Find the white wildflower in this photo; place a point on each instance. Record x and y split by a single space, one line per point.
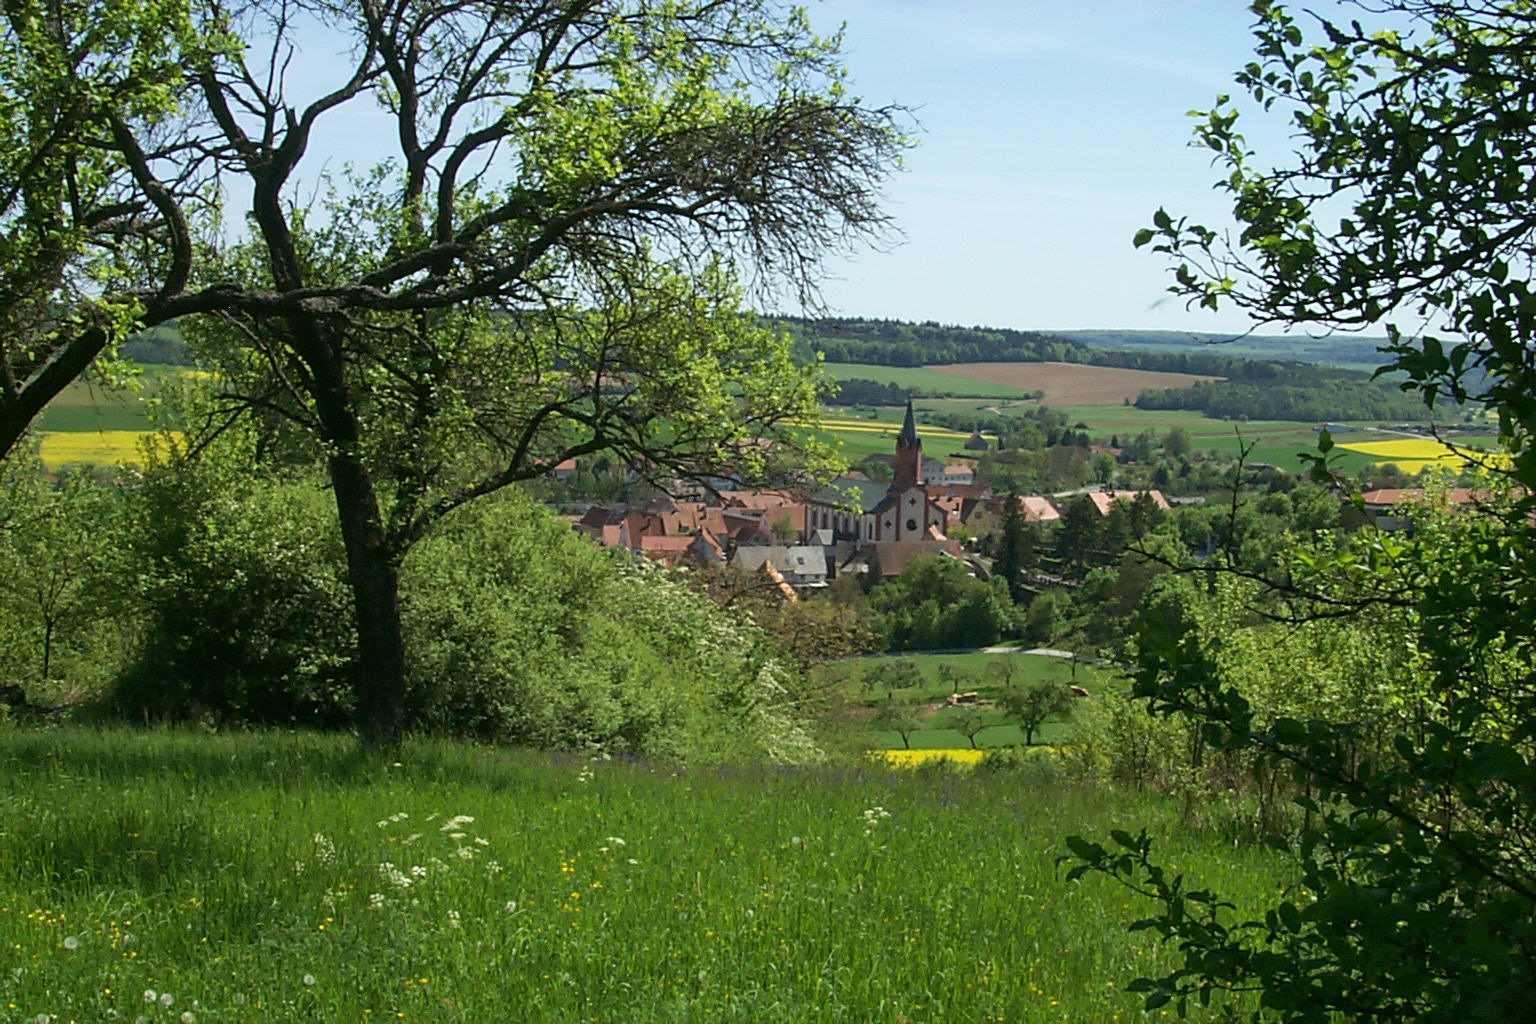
511 906
166 999
453 919
309 980
493 866
417 871
149 995
187 1017
456 823
325 850
614 841
375 900
466 853
71 942
482 842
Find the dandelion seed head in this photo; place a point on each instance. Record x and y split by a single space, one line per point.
309 981
166 999
150 995
187 1017
71 942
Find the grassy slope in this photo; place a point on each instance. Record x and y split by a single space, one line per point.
259 877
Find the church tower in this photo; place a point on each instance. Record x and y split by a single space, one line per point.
909 455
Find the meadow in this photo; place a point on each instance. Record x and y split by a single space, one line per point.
862 690
182 877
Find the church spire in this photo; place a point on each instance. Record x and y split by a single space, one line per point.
908 436
909 455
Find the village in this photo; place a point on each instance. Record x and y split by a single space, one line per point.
806 538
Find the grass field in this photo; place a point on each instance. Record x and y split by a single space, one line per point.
859 682
276 878
928 380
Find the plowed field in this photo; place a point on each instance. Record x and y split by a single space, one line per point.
1072 383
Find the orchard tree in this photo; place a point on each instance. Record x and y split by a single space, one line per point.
1409 202
548 255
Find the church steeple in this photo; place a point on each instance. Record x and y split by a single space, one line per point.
908 436
909 454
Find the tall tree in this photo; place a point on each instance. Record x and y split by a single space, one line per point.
552 260
1015 549
1409 200
547 266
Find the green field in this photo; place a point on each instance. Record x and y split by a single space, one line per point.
930 382
269 877
857 681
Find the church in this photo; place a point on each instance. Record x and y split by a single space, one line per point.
861 510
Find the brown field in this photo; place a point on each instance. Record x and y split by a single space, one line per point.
1071 383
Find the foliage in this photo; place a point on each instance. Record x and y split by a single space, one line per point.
1409 196
1033 704
936 604
1332 397
60 562
92 239
240 590
521 631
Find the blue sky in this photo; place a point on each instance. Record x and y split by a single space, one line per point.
1052 129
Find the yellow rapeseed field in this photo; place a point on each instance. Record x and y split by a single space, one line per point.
1413 453
96 447
882 427
959 756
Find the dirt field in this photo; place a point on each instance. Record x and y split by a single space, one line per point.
1071 383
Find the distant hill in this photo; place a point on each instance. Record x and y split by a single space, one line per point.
1347 351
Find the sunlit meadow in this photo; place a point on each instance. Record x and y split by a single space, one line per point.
177 877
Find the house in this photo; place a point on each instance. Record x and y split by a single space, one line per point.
1386 508
1103 500
1038 510
799 566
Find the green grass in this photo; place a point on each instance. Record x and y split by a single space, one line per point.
932 382
83 406
290 878
974 669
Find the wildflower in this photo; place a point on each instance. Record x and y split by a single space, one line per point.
482 842
149 995
309 981
456 823
166 999
71 942
511 907
417 871
187 1018
633 861
325 850
375 900
453 919
614 841
466 853
494 867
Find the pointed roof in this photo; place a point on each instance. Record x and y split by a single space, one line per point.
908 435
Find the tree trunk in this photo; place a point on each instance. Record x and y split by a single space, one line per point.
372 568
379 684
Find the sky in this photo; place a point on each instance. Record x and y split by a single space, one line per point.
1051 130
